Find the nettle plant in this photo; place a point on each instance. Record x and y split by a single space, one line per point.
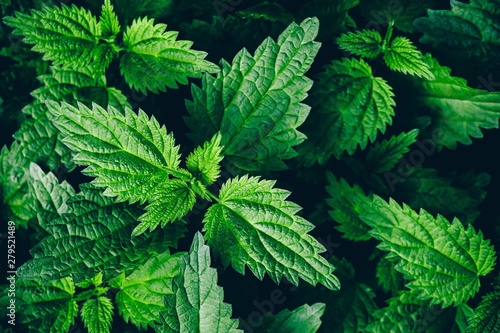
109 250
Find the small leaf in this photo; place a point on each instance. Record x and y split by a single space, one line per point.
109 22
155 60
486 318
364 43
303 319
204 162
197 306
403 56
97 314
253 225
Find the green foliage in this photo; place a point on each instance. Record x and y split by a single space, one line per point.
442 260
204 162
97 314
303 319
195 291
364 43
253 225
258 129
350 106
486 316
403 56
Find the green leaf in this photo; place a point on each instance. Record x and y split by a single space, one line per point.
303 319
442 259
197 306
469 29
486 318
129 154
49 195
141 295
458 112
65 35
94 281
98 240
345 203
255 103
97 314
403 56
364 43
48 307
384 155
204 162
253 225
349 107
109 22
155 60
387 276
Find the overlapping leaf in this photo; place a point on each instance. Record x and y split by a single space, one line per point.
204 162
196 305
94 237
442 260
350 106
255 103
155 60
253 225
486 317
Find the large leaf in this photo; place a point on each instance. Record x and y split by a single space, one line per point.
349 107
155 60
253 225
197 306
458 112
442 260
141 295
255 103
94 237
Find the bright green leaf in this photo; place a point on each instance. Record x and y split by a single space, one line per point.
403 56
364 43
253 225
303 319
108 20
486 318
204 162
97 314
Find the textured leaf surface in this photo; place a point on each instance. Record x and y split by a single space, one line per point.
155 60
253 225
97 314
255 103
109 22
306 318
48 307
197 306
384 155
387 276
128 154
204 162
345 207
442 259
458 112
95 237
486 318
364 43
349 107
403 56
141 295
66 35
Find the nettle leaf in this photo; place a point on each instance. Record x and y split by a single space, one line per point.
442 260
387 276
456 196
141 295
486 318
403 56
98 239
345 203
109 21
255 103
384 155
364 43
65 35
204 162
253 225
349 107
46 307
469 29
155 60
128 154
197 302
458 112
306 318
97 314
49 195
